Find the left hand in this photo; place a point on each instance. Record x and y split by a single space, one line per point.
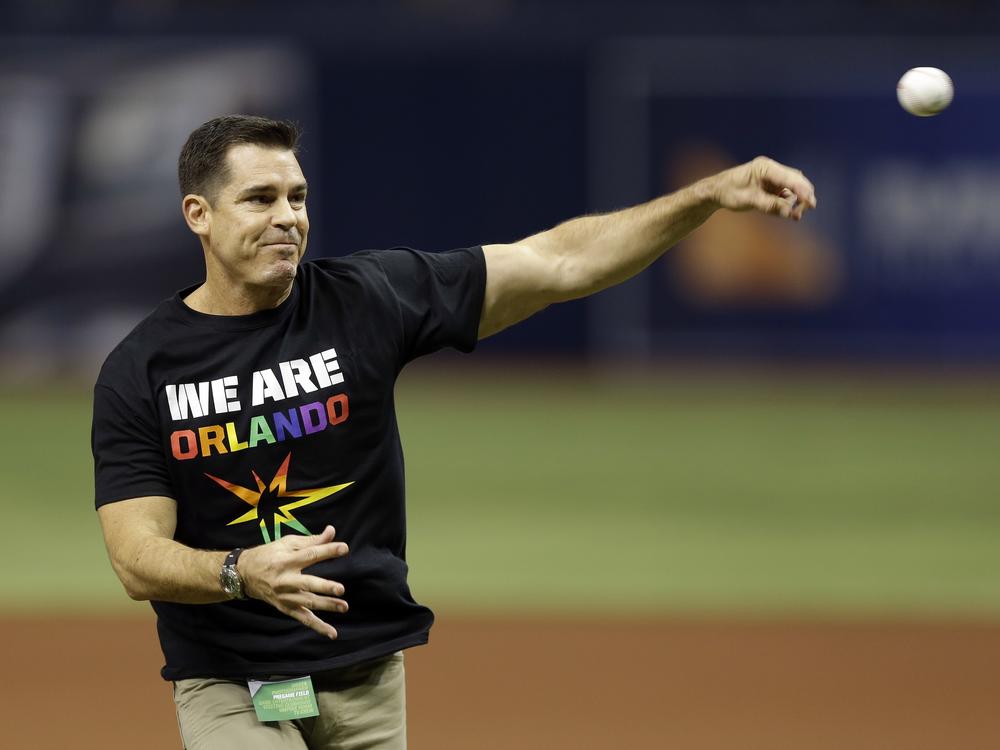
765 185
273 573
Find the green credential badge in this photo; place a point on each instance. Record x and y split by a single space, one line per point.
283 700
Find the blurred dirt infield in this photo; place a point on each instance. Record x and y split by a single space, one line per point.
93 683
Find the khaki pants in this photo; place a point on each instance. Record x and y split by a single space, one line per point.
360 708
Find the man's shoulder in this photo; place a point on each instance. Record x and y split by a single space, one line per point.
359 263
390 264
363 276
138 345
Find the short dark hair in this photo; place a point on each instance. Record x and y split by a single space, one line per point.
202 166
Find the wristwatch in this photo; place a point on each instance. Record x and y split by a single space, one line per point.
229 577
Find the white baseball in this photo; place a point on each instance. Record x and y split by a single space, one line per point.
924 91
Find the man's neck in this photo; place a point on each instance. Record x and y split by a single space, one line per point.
235 300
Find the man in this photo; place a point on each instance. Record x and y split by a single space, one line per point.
248 416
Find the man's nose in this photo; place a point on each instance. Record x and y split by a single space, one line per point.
284 215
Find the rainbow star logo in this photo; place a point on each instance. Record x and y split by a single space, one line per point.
265 501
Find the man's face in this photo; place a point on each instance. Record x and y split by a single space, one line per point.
257 224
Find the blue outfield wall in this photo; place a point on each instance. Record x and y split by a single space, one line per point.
456 146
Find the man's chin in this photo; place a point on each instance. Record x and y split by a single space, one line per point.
279 273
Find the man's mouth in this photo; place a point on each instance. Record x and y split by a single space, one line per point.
288 248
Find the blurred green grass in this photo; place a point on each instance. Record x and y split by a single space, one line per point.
701 492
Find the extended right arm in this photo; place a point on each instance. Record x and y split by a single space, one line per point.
151 565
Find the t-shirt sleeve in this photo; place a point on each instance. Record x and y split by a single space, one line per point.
128 456
439 297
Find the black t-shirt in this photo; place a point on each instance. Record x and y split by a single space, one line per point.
278 423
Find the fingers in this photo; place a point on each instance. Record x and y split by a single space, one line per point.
310 597
787 191
795 207
312 594
296 594
796 182
329 551
326 535
310 620
318 547
313 601
303 542
269 568
291 586
320 585
772 204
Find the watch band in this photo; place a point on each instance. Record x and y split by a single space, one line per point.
233 556
230 578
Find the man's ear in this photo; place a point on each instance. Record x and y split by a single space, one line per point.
197 213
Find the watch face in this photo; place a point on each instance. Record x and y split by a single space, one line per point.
231 582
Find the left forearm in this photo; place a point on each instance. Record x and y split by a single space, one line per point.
602 250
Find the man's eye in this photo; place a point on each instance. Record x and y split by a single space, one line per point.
260 199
